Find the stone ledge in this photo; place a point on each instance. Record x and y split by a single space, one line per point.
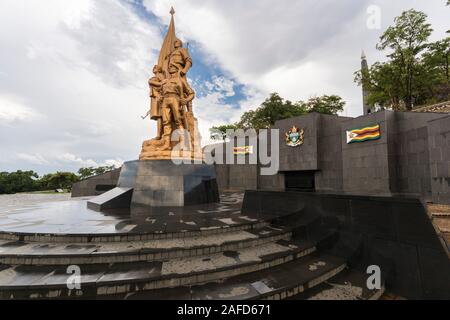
180 249
102 284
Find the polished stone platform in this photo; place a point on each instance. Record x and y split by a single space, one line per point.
62 218
209 251
73 218
394 233
264 245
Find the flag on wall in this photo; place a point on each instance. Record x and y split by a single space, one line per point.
243 150
364 134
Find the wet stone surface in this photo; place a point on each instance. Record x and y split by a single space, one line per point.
12 201
290 276
105 273
13 249
348 285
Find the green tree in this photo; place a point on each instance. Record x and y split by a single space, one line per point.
19 181
85 173
416 72
220 132
103 169
438 57
382 81
433 73
407 38
271 110
400 82
325 104
276 108
59 180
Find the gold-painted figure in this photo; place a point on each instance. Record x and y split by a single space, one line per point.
171 103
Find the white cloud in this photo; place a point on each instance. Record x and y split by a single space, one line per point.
250 38
32 158
73 159
66 160
73 73
83 67
211 110
78 162
114 42
224 85
298 48
15 112
113 162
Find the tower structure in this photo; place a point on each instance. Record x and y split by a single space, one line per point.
365 92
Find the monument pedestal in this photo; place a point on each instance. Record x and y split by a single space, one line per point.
155 181
160 183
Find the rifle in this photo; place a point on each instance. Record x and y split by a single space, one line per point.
146 115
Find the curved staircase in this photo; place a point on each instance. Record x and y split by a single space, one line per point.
261 257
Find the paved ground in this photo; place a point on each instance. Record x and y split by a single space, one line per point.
440 215
58 214
50 213
391 296
9 201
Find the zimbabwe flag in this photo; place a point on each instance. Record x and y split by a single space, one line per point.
243 150
364 134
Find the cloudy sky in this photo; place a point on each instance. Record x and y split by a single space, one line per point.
73 73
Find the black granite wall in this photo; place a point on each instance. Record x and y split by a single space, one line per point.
223 175
394 233
367 168
242 175
412 161
329 149
97 185
439 149
398 163
270 182
302 157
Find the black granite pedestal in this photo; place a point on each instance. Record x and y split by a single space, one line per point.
160 183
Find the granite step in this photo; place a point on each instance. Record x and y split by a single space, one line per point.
440 214
438 210
279 282
97 280
32 253
241 223
443 224
347 285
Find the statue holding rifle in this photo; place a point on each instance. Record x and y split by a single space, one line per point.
171 104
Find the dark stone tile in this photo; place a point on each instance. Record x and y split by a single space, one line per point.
131 271
434 273
413 225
